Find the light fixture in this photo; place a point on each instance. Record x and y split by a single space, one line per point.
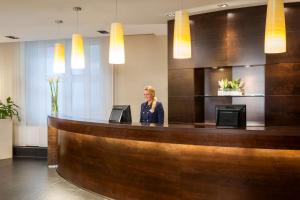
171 14
77 59
182 36
59 55
116 42
12 37
224 5
275 35
59 58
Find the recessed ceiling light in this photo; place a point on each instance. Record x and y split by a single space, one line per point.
12 37
171 14
104 32
224 5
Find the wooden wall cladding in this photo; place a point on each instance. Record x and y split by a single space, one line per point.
236 37
282 94
245 36
186 90
181 82
182 109
292 14
282 110
283 79
225 38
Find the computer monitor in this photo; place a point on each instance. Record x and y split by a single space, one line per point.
231 116
120 114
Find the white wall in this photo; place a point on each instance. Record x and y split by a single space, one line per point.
146 64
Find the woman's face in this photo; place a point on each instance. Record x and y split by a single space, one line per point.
147 95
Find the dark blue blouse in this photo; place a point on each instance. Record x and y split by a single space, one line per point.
156 117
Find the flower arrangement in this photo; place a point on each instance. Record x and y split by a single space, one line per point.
230 88
9 110
53 82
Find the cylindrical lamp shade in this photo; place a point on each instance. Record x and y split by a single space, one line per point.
116 44
59 65
77 59
182 36
275 36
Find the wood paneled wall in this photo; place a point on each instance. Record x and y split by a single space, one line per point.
283 76
236 38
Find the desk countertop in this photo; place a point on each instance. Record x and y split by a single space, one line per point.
194 134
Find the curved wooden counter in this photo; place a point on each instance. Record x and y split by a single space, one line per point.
123 161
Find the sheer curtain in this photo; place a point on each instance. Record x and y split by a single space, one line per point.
82 93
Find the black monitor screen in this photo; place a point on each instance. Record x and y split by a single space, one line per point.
231 116
116 115
120 114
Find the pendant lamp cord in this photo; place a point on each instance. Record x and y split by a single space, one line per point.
77 22
116 16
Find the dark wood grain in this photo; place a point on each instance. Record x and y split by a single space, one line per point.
282 79
282 110
245 36
292 14
182 109
137 162
236 37
52 145
225 38
181 82
194 134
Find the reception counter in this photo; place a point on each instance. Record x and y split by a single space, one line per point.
135 161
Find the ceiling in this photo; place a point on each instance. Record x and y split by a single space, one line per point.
34 19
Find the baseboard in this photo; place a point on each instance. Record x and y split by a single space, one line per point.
30 152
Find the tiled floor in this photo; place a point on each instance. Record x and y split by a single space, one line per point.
27 179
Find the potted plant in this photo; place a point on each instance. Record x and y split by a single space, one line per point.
8 111
230 88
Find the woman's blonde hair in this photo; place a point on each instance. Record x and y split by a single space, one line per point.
151 90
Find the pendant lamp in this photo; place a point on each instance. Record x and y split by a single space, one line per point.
116 42
182 36
59 66
77 57
59 58
275 35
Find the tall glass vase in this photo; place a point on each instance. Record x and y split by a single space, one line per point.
53 82
54 106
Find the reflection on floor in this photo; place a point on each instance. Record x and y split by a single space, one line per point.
28 179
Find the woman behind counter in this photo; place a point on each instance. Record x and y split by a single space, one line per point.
152 111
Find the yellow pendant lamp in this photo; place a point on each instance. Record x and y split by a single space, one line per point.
77 60
77 54
182 36
59 66
275 35
59 58
116 42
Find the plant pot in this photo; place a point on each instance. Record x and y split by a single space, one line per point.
230 93
6 138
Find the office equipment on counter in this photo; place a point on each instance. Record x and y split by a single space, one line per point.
231 116
120 114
